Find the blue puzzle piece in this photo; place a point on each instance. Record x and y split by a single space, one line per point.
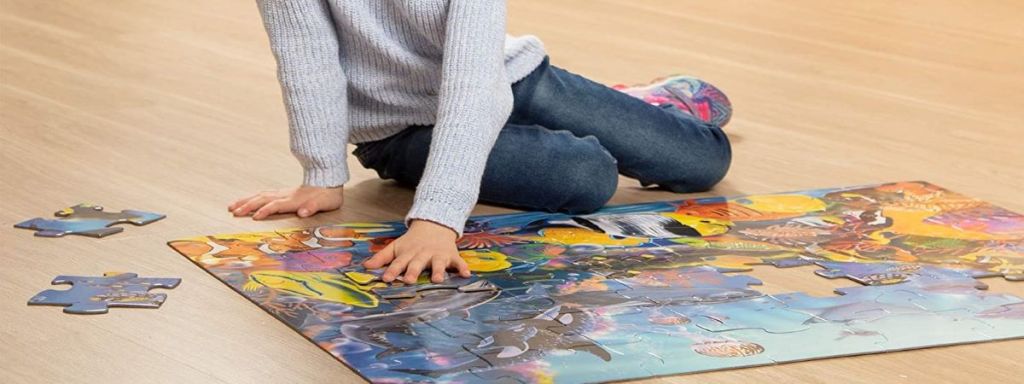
87 220
93 295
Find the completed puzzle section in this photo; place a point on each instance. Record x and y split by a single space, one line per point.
644 290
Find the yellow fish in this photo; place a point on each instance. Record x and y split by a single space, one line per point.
360 277
703 225
912 222
782 203
485 260
571 236
314 285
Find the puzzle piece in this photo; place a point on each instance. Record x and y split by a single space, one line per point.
404 291
688 285
525 340
888 273
93 295
764 313
87 220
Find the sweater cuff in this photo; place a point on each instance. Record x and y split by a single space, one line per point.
442 207
325 177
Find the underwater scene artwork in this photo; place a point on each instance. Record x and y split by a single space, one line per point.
644 290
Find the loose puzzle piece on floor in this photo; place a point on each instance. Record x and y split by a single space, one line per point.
87 220
94 295
643 290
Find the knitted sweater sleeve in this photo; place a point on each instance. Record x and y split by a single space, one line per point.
304 41
475 102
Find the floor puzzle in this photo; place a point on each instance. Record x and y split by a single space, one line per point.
87 220
90 295
647 289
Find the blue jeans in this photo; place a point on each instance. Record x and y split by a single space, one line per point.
565 143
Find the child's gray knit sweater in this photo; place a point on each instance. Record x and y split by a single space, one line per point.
354 71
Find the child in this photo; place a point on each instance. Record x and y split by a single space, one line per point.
436 96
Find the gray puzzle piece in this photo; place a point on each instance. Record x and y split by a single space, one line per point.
403 291
87 220
93 295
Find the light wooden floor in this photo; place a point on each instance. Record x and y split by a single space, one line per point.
173 106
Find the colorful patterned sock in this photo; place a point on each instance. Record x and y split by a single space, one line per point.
689 94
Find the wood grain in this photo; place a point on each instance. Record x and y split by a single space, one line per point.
173 107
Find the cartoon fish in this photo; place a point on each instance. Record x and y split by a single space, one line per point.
727 348
315 285
427 306
314 260
789 234
651 225
782 203
858 332
479 240
912 222
753 208
581 236
885 278
526 340
485 260
858 312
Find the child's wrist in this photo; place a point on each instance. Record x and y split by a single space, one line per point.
439 229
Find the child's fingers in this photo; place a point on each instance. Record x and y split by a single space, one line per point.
461 266
396 267
276 206
381 258
309 208
266 210
437 267
239 202
416 265
252 205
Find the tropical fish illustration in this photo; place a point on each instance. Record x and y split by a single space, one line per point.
753 208
782 203
429 305
789 234
485 260
656 225
528 340
912 222
858 311
857 332
582 236
477 240
727 348
982 219
314 285
314 260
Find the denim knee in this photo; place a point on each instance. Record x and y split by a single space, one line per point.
709 169
593 181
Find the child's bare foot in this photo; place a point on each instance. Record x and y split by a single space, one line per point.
689 94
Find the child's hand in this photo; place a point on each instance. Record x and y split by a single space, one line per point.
305 200
426 244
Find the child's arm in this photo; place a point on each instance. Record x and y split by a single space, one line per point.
305 44
475 102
